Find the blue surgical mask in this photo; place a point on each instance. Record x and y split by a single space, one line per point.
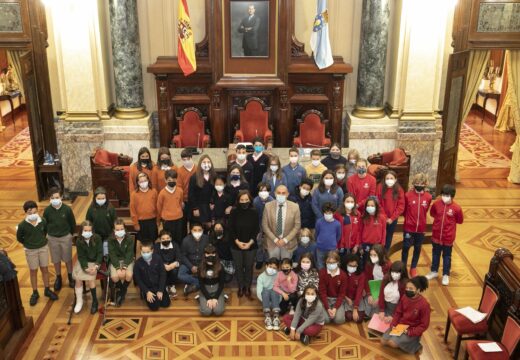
281 199
361 171
332 267
120 233
146 256
259 148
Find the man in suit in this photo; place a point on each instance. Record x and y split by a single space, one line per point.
249 27
281 225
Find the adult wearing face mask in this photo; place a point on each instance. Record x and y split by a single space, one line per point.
361 185
260 162
150 277
192 252
121 255
243 230
294 172
334 158
281 225
102 215
202 186
144 164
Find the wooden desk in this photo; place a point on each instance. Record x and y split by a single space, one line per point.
488 94
47 173
10 97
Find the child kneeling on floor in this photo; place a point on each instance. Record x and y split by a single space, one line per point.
308 318
266 294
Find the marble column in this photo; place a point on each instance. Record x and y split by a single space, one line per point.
126 54
372 59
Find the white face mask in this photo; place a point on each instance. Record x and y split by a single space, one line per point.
101 202
371 210
390 182
274 168
270 271
281 199
32 217
56 202
187 163
196 234
241 157
395 275
351 269
143 185
328 217
305 240
340 176
310 298
120 233
305 266
86 234
328 182
219 188
349 205
446 199
352 161
293 159
315 163
374 259
205 166
304 192
263 194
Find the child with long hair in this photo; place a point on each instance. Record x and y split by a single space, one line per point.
392 290
375 269
164 163
332 290
306 244
143 208
144 164
391 197
285 284
372 228
274 175
102 215
211 281
307 273
361 184
349 218
354 304
235 182
327 192
200 190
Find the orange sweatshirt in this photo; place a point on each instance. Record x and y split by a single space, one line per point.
143 205
183 179
158 180
133 176
169 205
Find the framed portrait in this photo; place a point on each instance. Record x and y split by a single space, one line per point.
249 28
14 21
495 20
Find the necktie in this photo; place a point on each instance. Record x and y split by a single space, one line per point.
279 222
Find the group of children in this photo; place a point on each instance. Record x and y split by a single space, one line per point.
346 226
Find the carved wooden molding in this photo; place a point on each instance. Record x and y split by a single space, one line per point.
297 47
257 99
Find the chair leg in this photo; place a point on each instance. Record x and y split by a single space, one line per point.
457 347
447 329
466 355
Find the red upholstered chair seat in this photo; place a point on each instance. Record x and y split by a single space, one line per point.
465 326
396 157
253 121
477 353
106 158
311 130
191 132
508 344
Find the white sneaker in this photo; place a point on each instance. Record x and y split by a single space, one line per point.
276 323
172 291
445 280
268 323
79 300
291 312
432 275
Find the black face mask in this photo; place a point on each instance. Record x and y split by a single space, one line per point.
219 233
419 188
211 259
172 184
145 161
409 293
286 271
234 177
244 205
165 162
166 243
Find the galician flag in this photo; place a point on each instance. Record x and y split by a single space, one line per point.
185 43
320 43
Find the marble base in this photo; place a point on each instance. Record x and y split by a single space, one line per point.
127 136
372 136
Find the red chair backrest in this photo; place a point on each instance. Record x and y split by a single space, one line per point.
395 157
312 130
191 129
488 301
106 158
511 335
253 120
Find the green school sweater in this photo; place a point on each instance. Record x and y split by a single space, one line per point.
60 222
91 252
102 217
32 237
121 252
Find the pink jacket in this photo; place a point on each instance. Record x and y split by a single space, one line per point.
284 285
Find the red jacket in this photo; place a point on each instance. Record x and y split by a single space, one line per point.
334 287
393 207
369 273
355 286
349 232
445 220
401 287
413 312
415 211
374 230
361 188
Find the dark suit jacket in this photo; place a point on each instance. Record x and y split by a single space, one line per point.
250 39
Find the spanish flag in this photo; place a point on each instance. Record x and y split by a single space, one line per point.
185 43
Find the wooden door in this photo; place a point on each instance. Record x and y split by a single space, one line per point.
33 116
451 117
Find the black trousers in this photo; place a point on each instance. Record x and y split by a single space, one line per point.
154 306
174 227
285 305
148 230
172 276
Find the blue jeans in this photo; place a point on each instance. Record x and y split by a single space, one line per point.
271 300
446 258
412 239
321 258
390 228
187 277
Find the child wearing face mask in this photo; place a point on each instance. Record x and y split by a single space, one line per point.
391 197
413 310
219 237
266 294
315 168
303 198
446 214
306 244
144 164
121 254
341 177
164 163
274 175
143 209
184 172
170 253
235 182
333 288
294 172
349 219
191 256
352 157
102 215
259 202
354 304
375 269
327 191
361 184
150 277
211 280
285 285
417 203
334 158
241 159
372 228
392 290
308 318
170 207
260 163
307 273
220 203
89 249
328 234
31 234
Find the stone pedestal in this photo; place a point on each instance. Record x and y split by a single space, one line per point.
372 137
127 137
372 59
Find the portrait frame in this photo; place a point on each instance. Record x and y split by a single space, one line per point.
494 21
14 27
249 33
